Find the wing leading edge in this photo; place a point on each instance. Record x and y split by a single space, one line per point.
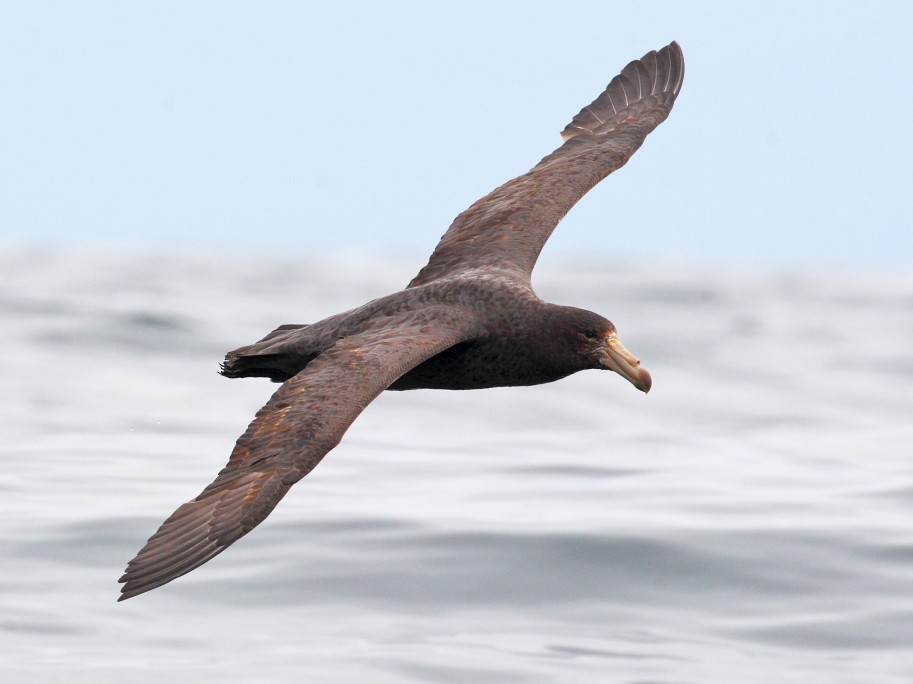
304 419
506 229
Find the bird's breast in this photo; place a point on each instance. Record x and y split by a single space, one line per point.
479 365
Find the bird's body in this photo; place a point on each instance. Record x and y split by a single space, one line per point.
468 320
508 349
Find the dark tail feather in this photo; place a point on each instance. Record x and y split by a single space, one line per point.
258 360
276 367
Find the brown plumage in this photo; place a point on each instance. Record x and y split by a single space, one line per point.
468 320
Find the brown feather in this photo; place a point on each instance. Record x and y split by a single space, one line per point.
304 419
468 320
506 229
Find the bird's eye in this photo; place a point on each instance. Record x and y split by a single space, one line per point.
589 334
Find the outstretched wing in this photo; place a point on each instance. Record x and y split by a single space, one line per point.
507 228
302 421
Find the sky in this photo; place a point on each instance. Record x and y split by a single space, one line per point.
296 128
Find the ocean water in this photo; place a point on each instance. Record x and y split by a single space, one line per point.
751 520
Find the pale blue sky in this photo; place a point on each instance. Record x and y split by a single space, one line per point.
294 128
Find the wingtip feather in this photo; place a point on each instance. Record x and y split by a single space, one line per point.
662 69
201 529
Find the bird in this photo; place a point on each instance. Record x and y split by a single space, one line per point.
468 320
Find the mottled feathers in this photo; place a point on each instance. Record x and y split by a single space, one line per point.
303 420
471 305
507 228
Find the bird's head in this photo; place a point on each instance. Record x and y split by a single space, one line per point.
595 341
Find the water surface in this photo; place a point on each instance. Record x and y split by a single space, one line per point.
750 520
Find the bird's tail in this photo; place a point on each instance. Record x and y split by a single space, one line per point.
265 359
